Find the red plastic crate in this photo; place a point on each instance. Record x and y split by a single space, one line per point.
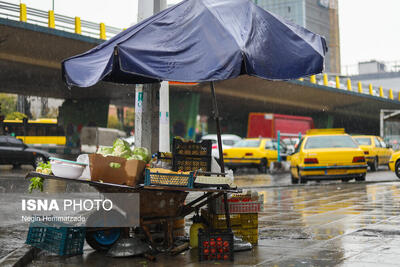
215 246
238 207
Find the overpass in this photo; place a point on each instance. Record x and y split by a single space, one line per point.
30 56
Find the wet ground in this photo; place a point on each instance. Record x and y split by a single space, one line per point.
324 224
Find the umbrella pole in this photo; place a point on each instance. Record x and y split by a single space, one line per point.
216 117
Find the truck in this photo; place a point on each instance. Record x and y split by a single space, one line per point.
268 125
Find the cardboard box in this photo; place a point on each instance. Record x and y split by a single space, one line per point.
130 173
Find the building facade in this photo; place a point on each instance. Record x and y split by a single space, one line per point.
319 16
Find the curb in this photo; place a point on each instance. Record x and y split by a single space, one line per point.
19 257
316 184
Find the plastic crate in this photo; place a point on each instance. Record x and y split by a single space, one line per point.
249 235
249 220
186 163
190 148
238 220
238 207
191 156
168 179
215 246
56 237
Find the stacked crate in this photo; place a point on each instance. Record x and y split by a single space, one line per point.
244 225
191 156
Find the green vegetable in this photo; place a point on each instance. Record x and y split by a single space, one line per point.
115 165
105 151
36 183
45 165
121 149
143 152
44 168
137 157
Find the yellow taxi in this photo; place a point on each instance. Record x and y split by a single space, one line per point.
375 150
252 152
394 163
327 154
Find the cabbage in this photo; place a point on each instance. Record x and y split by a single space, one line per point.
143 152
105 151
121 149
137 157
115 165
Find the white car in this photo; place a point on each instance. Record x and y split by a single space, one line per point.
228 140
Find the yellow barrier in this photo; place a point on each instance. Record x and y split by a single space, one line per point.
391 94
325 79
102 31
398 97
360 87
301 79
52 21
78 28
22 12
371 90
349 84
337 82
313 79
381 91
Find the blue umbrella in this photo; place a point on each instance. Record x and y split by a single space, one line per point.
199 41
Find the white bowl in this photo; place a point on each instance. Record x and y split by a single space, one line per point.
66 170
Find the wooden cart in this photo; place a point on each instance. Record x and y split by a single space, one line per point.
104 238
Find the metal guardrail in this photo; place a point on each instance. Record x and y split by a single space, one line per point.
60 22
347 84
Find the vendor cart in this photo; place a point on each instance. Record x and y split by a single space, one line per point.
150 213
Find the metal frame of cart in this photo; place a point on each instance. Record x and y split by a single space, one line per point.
154 218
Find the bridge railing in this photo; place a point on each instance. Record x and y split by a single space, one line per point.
345 83
50 19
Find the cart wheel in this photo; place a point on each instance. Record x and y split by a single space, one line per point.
102 239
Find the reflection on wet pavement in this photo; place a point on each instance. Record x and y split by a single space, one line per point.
350 224
329 224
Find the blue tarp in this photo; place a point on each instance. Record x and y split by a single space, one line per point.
202 40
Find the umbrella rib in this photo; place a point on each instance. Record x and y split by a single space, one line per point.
288 25
222 25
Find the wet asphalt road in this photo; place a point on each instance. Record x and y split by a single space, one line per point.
326 224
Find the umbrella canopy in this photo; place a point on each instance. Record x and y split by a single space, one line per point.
201 40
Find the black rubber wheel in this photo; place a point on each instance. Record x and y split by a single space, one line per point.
374 165
102 239
397 169
17 166
302 180
263 167
38 159
361 178
294 180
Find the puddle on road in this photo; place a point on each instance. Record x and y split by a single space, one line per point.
11 238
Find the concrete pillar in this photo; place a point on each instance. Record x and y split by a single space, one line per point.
147 96
147 8
164 143
147 116
323 120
